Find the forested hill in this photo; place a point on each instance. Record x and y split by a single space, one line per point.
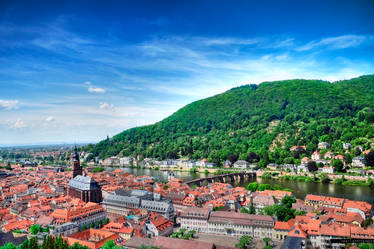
266 119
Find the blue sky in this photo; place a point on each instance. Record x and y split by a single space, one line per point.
78 71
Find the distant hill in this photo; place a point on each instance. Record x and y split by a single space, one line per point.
257 122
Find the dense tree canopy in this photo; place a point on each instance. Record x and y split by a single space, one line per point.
259 124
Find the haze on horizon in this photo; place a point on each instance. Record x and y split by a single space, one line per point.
79 71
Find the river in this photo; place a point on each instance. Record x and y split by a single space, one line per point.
300 189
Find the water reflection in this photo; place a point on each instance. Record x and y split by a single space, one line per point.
301 189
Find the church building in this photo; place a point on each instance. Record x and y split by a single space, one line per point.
83 187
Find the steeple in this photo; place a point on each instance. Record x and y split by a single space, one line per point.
77 169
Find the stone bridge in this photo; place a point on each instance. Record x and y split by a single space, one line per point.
230 177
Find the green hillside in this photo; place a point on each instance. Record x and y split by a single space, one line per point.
257 122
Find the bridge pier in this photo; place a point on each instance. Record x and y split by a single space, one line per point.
222 179
234 177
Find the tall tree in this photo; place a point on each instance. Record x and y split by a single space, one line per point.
244 242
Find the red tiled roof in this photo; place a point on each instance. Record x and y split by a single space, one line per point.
283 225
297 232
314 197
335 229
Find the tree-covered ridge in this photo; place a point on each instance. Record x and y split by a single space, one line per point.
266 119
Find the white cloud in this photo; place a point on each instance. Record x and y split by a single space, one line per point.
18 124
106 106
50 119
338 42
228 41
8 104
92 89
181 70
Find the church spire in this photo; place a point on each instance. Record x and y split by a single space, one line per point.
77 169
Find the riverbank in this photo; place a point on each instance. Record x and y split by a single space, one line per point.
346 180
216 171
299 188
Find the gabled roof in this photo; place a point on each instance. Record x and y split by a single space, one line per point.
297 231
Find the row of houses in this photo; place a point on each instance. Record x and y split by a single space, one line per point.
203 220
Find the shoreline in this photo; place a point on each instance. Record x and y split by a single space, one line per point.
329 179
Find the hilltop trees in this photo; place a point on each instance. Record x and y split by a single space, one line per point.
257 124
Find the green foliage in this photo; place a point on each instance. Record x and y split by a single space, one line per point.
356 183
263 187
237 123
183 234
148 247
339 180
193 170
100 223
109 245
252 209
324 178
49 242
368 222
300 213
217 208
282 212
267 175
244 210
244 242
76 245
337 164
254 186
31 243
288 200
365 246
8 246
98 169
34 229
299 178
266 240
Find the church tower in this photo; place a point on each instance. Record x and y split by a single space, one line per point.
77 169
83 187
